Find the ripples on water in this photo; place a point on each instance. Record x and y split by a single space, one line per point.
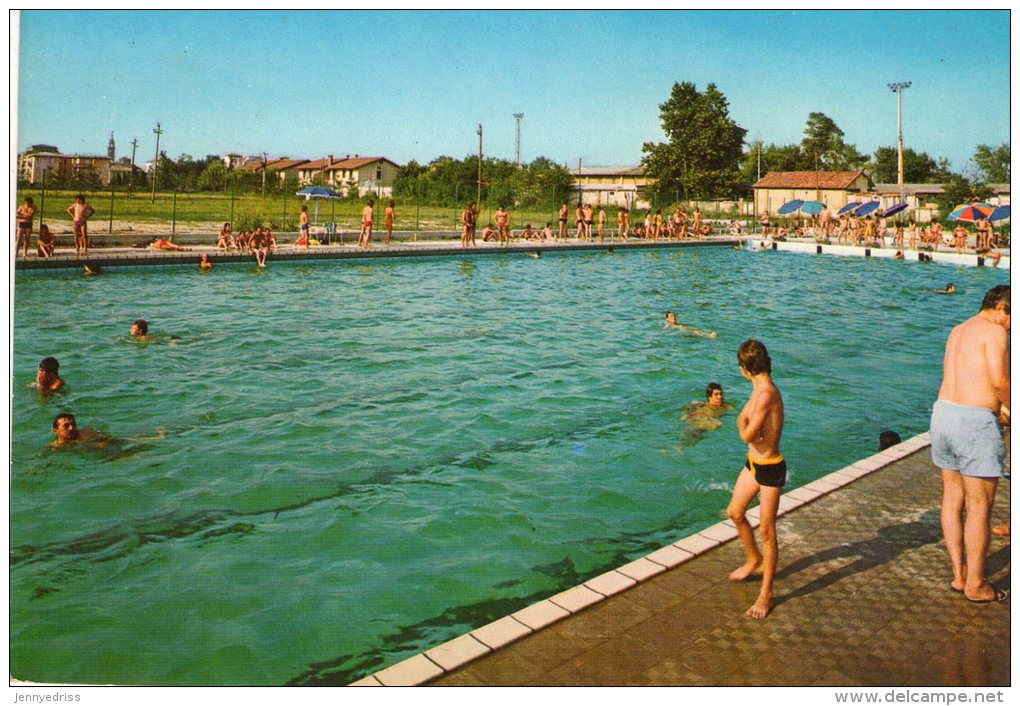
366 459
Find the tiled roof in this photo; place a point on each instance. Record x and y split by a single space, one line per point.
807 180
610 171
281 164
358 162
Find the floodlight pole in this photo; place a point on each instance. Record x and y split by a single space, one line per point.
155 165
478 197
517 117
131 184
898 88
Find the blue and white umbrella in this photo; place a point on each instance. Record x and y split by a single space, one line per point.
999 214
317 192
789 207
849 207
867 208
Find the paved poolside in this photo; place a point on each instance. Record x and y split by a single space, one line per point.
862 599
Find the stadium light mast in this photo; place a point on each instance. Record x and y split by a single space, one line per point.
517 153
898 88
155 165
478 197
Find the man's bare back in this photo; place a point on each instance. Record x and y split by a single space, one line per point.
975 369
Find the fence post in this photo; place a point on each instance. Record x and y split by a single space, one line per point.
173 213
284 211
233 190
417 208
111 207
42 200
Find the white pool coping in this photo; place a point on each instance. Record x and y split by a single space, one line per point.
454 654
945 257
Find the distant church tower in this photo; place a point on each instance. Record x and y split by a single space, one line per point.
111 149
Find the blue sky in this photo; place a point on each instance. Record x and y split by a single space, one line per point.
415 84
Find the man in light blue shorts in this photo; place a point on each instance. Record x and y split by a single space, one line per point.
966 439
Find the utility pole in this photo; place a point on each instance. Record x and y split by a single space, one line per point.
155 165
263 173
898 88
517 153
131 184
478 197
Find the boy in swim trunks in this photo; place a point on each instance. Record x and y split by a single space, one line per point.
365 239
79 211
760 424
303 228
966 439
24 214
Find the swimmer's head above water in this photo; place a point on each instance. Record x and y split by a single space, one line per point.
714 394
140 327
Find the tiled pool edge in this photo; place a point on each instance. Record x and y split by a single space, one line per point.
453 654
944 257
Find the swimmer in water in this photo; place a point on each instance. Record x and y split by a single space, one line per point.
671 322
66 431
91 270
47 379
140 328
204 263
950 289
704 416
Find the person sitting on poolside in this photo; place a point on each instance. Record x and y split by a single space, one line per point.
527 233
671 322
993 255
225 240
547 232
164 244
45 243
489 232
140 328
259 245
204 263
735 227
47 379
950 289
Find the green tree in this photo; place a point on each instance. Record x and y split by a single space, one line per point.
213 177
960 190
774 158
918 167
703 149
823 145
992 163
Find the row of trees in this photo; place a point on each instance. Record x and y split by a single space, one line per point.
446 181
704 155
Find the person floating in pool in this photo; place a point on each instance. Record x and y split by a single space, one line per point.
760 424
139 328
950 289
66 431
140 332
91 270
704 416
204 264
47 379
671 322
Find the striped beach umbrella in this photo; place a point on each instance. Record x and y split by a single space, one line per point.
970 212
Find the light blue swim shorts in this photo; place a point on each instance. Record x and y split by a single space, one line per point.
967 439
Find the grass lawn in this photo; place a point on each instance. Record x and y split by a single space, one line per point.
195 213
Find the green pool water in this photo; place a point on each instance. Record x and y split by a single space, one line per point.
365 459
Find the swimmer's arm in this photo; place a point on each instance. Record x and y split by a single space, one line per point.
159 436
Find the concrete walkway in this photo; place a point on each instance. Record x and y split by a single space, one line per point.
139 257
862 599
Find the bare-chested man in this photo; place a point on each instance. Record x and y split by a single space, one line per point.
623 223
502 218
563 219
602 223
66 431
79 211
365 238
966 439
24 215
468 218
760 424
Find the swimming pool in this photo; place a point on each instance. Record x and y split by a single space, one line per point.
366 459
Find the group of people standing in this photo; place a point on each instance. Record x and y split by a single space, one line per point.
79 211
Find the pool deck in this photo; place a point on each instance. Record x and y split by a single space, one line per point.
862 599
135 257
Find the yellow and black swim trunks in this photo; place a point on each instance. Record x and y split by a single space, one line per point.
769 472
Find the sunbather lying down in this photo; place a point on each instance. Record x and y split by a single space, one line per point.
164 244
